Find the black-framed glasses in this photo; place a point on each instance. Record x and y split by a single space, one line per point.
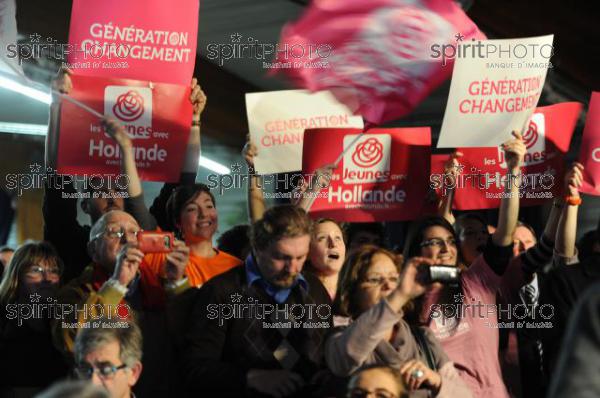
104 372
377 393
438 242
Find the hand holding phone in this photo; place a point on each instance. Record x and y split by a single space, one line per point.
155 242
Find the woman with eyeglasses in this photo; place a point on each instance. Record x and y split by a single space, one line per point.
376 294
464 316
29 362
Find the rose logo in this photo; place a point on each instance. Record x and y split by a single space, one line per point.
129 106
368 153
531 135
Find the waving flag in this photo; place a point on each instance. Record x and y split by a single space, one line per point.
378 56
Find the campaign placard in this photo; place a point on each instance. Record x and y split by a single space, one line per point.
382 176
277 121
156 117
151 40
480 184
494 95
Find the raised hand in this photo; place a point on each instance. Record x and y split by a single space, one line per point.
62 82
416 374
198 99
116 131
451 167
249 152
177 261
128 263
514 151
574 180
412 280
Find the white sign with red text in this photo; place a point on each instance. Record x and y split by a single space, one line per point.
277 121
494 95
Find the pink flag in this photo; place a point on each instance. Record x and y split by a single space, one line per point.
379 57
590 148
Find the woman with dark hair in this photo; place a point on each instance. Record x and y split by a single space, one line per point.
469 334
327 253
193 211
376 294
27 291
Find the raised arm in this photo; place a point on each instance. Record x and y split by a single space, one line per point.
256 200
320 179
567 226
190 164
134 203
61 227
514 151
451 169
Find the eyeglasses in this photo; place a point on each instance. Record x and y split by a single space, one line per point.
106 372
37 271
380 280
117 233
439 242
377 393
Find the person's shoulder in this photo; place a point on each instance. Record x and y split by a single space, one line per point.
316 289
233 278
226 257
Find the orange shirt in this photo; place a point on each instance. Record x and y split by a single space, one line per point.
199 269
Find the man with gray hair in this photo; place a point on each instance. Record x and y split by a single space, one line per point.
110 356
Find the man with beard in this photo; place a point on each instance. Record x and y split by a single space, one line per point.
257 330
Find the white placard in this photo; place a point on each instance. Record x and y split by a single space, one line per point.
277 120
496 85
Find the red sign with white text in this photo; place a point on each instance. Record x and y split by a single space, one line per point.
151 40
382 176
483 170
590 148
155 116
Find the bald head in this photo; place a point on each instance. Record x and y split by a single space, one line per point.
112 217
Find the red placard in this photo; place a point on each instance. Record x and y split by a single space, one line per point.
590 148
382 177
483 171
156 117
152 40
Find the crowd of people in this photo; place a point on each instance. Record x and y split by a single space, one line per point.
289 306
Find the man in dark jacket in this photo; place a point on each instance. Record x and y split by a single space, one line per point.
562 289
258 329
576 373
